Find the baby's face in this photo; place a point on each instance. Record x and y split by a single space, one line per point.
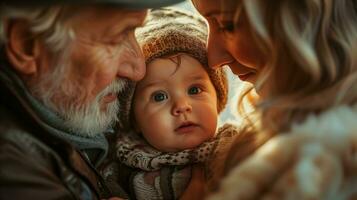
175 107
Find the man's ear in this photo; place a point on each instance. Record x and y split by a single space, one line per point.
22 47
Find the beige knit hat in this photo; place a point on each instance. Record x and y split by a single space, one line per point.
169 31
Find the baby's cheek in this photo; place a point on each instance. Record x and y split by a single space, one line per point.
163 123
157 125
209 117
211 129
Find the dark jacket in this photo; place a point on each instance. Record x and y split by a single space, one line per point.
37 165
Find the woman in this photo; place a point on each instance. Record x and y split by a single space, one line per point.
301 58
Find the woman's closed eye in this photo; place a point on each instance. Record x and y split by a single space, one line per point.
159 96
227 26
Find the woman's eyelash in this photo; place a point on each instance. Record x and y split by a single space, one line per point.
227 26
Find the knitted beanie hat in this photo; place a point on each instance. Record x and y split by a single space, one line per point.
170 31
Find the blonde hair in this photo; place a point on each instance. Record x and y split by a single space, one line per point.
310 48
311 51
47 21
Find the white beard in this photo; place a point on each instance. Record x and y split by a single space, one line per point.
85 119
90 120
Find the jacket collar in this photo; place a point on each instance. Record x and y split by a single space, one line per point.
95 147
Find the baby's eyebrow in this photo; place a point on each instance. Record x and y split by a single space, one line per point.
150 84
197 77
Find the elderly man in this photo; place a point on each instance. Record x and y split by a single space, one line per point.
62 68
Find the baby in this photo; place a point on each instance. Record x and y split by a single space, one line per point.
175 107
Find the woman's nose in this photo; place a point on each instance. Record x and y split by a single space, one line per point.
181 107
217 52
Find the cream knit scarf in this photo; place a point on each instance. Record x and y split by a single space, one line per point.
134 151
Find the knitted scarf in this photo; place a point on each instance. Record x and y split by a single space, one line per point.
134 151
95 147
164 175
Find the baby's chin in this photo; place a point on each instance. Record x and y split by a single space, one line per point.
192 145
191 142
178 148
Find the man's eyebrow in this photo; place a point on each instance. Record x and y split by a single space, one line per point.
130 25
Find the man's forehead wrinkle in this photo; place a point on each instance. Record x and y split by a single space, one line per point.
124 24
110 29
100 13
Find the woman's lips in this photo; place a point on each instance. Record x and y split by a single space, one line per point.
246 76
242 71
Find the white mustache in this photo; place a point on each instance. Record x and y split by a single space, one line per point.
115 87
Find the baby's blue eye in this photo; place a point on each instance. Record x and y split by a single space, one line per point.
194 90
159 96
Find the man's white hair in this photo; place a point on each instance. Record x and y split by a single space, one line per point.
46 21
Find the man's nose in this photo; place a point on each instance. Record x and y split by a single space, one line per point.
133 62
181 107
